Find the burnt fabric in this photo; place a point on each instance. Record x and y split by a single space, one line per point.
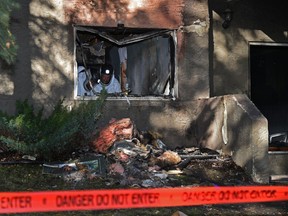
148 66
116 130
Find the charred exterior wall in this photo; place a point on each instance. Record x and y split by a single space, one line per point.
191 20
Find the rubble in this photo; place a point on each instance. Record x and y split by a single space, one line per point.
167 159
115 130
131 158
88 166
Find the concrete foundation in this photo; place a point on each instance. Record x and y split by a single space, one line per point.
233 125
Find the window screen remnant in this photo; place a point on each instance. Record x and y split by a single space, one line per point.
142 61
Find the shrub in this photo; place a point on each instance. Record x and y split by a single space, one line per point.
54 137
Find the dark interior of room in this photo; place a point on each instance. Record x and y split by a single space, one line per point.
269 79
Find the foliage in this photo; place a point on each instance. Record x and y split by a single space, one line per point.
55 136
8 47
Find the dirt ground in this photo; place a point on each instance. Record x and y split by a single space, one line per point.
16 176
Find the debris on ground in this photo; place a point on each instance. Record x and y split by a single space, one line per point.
115 130
127 157
143 161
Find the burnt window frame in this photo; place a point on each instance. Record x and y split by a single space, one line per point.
143 34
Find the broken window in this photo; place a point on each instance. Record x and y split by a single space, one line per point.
125 61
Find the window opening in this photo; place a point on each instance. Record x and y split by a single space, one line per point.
125 61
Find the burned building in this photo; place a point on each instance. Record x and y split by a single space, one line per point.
192 67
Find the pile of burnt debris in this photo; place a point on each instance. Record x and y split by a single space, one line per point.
125 156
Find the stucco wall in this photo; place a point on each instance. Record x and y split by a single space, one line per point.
194 52
256 20
43 72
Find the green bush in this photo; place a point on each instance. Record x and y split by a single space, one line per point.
54 137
